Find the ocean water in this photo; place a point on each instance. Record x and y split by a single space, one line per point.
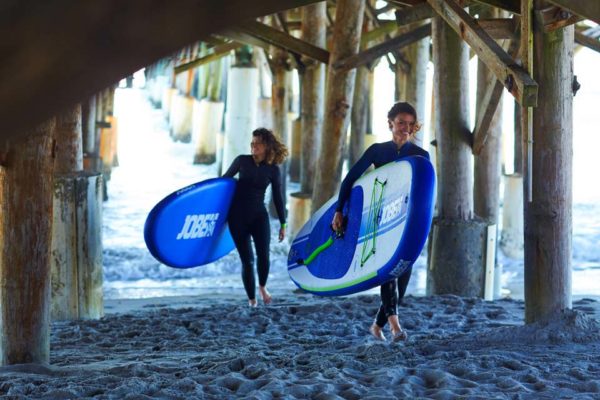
151 166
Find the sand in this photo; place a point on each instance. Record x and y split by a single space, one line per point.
306 347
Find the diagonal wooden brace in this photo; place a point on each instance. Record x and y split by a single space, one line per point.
518 82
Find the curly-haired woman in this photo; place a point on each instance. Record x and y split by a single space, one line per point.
248 216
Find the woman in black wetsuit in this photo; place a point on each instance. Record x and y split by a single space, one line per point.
402 121
248 216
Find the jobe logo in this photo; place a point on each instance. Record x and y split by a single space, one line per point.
198 226
391 211
400 268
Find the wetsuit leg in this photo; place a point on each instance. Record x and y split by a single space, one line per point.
389 302
403 283
261 234
240 233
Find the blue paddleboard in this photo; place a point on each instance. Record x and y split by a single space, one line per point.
189 227
390 211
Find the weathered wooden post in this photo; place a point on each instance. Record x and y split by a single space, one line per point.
69 159
169 90
511 239
107 137
338 99
88 214
208 116
280 98
93 122
313 89
76 261
548 216
360 116
240 117
399 79
314 29
295 148
25 235
487 172
88 128
183 104
512 236
415 81
456 259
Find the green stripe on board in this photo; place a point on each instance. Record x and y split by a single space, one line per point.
318 251
341 285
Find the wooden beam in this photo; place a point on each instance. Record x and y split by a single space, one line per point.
399 57
514 6
406 3
587 41
518 82
89 45
423 11
385 28
552 18
245 38
589 9
284 41
218 53
214 41
527 112
375 52
375 23
489 104
499 28
280 18
413 14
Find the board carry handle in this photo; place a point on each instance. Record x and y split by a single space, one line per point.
335 235
373 220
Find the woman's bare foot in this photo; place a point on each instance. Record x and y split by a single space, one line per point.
377 332
398 334
264 293
252 302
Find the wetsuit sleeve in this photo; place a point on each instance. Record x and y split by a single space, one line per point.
234 168
277 196
355 172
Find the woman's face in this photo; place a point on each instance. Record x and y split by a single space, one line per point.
257 148
402 126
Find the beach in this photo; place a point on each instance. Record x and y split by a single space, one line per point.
307 347
189 334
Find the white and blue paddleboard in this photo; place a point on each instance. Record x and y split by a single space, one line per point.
189 227
389 215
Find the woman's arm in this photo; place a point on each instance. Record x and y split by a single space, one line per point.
355 172
277 195
278 200
233 169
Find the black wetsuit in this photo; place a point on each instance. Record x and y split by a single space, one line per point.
380 154
248 216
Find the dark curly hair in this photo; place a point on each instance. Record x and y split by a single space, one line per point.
276 151
402 108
